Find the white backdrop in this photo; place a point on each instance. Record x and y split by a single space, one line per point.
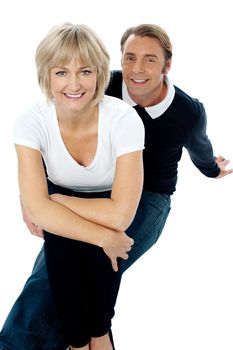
179 295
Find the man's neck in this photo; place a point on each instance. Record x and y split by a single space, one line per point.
147 101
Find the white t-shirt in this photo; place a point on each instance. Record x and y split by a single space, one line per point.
120 131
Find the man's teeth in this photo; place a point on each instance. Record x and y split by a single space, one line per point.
139 80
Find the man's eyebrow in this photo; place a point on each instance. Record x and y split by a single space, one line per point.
150 55
146 55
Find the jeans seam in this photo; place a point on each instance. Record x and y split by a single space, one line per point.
43 332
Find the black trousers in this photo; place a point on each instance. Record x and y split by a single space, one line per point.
83 284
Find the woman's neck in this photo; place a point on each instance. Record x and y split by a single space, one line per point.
86 118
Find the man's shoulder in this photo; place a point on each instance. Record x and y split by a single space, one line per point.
115 84
186 102
116 75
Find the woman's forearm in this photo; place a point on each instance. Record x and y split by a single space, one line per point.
102 211
58 219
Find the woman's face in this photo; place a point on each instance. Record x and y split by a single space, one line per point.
73 86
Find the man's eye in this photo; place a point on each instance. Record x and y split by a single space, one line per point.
129 59
150 60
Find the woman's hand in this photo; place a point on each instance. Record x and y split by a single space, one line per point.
117 245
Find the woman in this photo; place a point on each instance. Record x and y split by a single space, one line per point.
86 141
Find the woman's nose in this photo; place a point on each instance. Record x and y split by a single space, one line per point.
74 83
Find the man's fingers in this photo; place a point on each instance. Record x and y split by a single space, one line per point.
220 158
228 172
224 162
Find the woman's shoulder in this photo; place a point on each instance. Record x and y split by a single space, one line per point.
115 103
40 110
117 112
116 108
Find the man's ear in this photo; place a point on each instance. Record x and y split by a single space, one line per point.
121 60
167 66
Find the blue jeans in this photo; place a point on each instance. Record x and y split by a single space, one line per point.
32 323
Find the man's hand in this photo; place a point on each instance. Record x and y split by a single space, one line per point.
117 245
222 163
33 228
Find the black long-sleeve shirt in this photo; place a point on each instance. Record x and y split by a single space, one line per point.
183 124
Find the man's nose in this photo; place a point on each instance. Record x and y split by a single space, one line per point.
138 66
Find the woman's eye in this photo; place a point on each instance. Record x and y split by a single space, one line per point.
86 72
60 73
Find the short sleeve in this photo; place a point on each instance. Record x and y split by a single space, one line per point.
128 133
28 131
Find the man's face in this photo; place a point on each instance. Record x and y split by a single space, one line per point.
143 68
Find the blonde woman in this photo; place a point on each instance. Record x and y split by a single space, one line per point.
90 149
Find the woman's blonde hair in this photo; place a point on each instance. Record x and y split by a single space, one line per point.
66 41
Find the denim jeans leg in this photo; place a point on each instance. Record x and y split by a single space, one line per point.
33 317
147 226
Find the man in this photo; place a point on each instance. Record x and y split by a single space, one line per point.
172 120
